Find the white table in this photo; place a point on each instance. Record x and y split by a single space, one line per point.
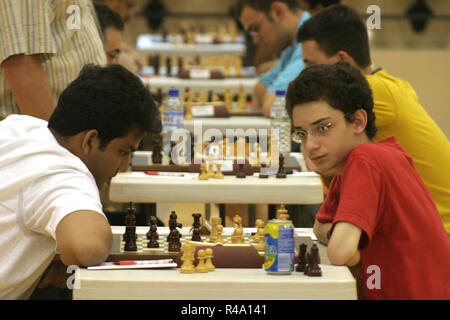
138 187
216 85
150 43
336 282
222 284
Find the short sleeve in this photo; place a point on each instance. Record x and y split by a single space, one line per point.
360 197
289 72
25 28
329 207
60 192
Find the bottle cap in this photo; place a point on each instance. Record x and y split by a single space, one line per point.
173 92
280 92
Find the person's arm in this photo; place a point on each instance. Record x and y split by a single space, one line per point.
268 99
321 230
84 238
30 85
343 244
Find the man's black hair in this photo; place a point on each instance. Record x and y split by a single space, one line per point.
107 17
340 85
325 3
338 27
263 5
110 99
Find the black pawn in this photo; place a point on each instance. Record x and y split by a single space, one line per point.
262 173
152 234
240 174
281 173
301 265
156 152
196 227
314 268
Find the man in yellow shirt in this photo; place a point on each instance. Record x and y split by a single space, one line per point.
338 34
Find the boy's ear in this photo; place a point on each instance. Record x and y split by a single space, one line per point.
90 141
360 121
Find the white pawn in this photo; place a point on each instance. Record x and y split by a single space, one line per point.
201 267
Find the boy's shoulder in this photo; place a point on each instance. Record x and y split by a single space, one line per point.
384 152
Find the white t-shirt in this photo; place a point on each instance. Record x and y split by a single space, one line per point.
40 183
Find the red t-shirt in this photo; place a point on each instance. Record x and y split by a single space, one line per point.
405 250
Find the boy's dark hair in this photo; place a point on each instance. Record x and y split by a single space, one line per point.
109 99
325 3
338 27
107 17
263 5
340 85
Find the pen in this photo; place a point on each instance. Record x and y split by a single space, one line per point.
139 262
168 174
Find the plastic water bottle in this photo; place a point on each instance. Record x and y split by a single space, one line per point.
280 124
173 116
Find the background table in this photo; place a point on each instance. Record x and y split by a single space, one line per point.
245 123
150 43
218 86
138 187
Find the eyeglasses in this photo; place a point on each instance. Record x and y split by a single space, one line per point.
319 130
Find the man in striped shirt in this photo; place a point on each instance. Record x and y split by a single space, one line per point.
45 43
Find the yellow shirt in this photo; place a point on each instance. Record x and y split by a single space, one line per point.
399 113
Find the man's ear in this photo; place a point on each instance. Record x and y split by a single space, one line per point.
360 121
278 9
90 142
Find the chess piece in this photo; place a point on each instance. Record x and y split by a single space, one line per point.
203 175
301 265
241 174
201 266
202 96
282 213
156 64
238 67
228 98
210 172
219 174
259 237
208 263
242 98
188 105
219 237
237 235
130 230
281 173
168 66
172 145
188 258
257 151
215 221
174 235
313 268
152 234
196 227
263 173
156 152
259 227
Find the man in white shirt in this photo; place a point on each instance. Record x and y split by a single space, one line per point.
51 172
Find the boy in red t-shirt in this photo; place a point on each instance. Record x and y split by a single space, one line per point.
378 212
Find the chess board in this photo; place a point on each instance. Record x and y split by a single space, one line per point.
163 232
